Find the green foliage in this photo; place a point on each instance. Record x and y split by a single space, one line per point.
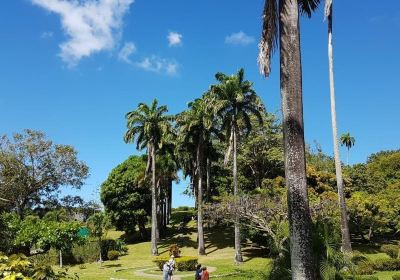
18 267
391 250
358 258
112 255
186 263
126 194
396 277
113 245
378 265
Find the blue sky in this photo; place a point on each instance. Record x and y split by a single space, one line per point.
74 68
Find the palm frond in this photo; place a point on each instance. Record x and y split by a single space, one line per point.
269 36
328 8
307 7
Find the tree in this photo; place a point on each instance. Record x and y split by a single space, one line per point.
346 245
347 140
33 167
282 17
98 225
196 126
234 100
126 195
147 125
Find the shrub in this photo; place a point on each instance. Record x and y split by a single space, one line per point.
361 277
391 250
174 250
369 267
113 245
396 277
358 258
187 263
113 255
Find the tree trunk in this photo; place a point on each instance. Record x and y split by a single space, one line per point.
61 259
238 250
200 231
346 245
302 259
169 200
208 171
154 250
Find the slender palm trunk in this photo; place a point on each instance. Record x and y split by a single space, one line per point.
346 245
238 250
154 224
348 152
200 231
208 175
302 260
61 259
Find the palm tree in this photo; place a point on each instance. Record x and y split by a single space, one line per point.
147 125
196 127
234 100
281 20
347 140
346 244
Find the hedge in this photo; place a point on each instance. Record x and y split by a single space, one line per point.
391 250
187 263
379 265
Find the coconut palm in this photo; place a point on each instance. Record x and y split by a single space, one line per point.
195 128
281 20
346 245
347 140
234 100
146 125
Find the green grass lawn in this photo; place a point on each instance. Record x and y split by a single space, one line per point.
220 253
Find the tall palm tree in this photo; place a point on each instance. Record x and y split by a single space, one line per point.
347 140
196 127
234 100
281 20
346 244
146 125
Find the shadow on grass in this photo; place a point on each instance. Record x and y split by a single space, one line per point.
112 265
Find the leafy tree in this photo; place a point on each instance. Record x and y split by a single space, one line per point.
32 167
126 195
234 100
99 224
147 125
383 169
281 20
347 140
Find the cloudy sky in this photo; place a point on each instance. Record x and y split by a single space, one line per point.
74 68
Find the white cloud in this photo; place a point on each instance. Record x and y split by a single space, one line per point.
158 65
92 26
239 38
174 39
128 49
46 34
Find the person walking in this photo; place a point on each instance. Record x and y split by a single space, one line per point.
204 274
197 275
168 269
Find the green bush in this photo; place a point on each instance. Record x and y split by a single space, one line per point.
369 267
391 250
396 277
358 258
113 245
187 263
112 255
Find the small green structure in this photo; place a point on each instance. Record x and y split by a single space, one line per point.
83 232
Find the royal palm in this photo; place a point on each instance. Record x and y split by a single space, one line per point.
281 20
234 100
147 125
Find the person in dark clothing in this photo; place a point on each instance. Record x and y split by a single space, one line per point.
197 276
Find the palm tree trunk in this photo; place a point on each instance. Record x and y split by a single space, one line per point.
348 152
208 175
302 259
346 245
238 250
154 250
200 231
61 259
